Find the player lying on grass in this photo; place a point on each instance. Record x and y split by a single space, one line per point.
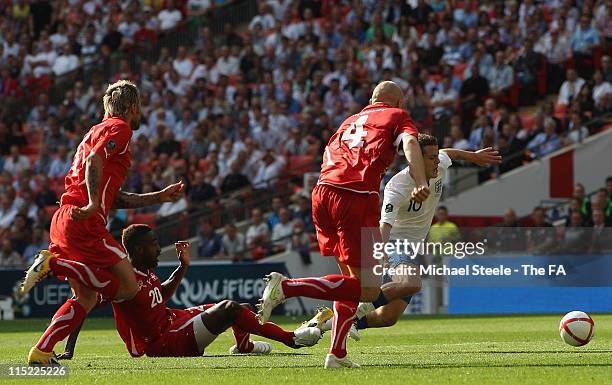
147 326
402 218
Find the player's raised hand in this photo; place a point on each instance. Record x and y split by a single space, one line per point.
82 213
487 156
419 194
172 193
182 252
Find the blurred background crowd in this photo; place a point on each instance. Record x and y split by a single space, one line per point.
239 99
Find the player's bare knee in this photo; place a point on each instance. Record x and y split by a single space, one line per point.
369 294
87 300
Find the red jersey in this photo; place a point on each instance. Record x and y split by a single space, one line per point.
359 153
145 317
111 141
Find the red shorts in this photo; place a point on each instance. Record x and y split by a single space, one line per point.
185 337
85 241
339 217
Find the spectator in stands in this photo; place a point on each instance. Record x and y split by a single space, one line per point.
46 196
66 62
115 224
540 238
168 209
443 230
8 256
185 127
601 238
303 211
300 241
557 50
235 182
444 100
282 231
168 145
269 169
528 64
257 235
570 88
170 17
509 236
472 94
20 233
233 244
512 155
601 88
500 76
457 139
15 163
601 200
264 18
584 201
39 242
545 142
297 145
61 164
606 68
575 237
584 39
209 242
577 132
201 192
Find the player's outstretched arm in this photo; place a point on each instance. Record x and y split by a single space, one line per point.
126 200
414 156
483 157
172 283
93 174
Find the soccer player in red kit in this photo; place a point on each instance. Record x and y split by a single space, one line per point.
81 249
147 326
346 200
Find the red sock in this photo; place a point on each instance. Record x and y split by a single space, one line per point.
344 312
100 280
333 287
243 340
248 323
66 320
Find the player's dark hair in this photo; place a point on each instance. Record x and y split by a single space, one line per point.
427 140
538 208
443 208
609 179
132 236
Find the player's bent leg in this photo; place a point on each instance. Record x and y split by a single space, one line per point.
124 272
247 323
329 287
385 316
66 320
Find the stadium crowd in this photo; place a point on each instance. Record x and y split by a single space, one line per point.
229 112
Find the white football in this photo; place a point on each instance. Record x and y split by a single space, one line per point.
576 328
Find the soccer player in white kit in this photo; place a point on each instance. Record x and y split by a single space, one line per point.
404 219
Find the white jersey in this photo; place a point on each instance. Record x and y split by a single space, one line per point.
411 220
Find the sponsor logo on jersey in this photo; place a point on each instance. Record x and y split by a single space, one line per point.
110 145
438 186
388 208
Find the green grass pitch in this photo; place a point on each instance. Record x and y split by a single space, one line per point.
418 350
